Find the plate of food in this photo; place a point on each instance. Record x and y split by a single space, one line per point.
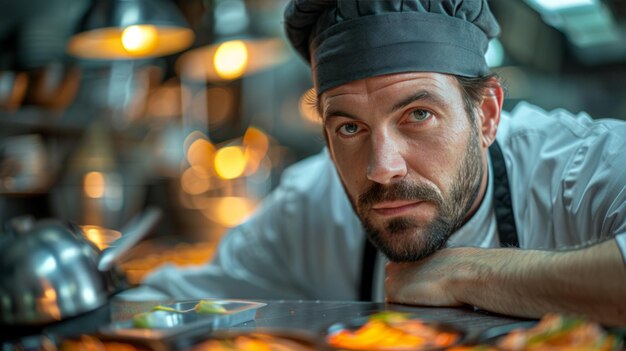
183 319
553 332
393 331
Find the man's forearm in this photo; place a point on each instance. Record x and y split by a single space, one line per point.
529 283
526 283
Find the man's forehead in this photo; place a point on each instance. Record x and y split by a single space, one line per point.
392 83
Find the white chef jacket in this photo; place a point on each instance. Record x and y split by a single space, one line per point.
568 188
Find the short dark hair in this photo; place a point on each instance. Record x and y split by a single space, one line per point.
474 89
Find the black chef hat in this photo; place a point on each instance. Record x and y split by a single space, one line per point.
347 40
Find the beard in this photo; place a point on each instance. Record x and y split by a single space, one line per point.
403 239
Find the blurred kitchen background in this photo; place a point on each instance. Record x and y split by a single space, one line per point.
196 106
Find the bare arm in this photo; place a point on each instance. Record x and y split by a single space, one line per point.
525 283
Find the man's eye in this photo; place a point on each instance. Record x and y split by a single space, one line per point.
348 129
420 115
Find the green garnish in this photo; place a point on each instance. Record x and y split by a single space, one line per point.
165 308
142 320
146 319
209 307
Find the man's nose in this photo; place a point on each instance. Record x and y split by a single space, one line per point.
386 163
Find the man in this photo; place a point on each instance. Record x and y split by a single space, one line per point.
441 182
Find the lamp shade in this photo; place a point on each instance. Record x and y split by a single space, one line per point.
131 29
231 59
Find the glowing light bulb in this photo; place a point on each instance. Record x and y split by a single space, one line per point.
139 39
230 162
230 59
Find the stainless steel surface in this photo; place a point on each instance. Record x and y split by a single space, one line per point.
47 274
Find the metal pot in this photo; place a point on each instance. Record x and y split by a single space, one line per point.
50 271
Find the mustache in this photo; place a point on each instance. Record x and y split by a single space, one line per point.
401 190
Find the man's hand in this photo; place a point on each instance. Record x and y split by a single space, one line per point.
429 282
526 283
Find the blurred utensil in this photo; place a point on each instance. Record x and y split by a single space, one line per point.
133 232
52 272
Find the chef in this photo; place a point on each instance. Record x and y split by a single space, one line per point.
428 193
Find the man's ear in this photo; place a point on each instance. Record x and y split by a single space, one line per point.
489 112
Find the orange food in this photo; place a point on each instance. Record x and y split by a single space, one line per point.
89 343
556 332
392 331
252 342
472 348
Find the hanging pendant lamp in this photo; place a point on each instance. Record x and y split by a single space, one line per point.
235 51
131 29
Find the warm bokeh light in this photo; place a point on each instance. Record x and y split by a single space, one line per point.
200 156
194 183
139 39
256 144
230 59
102 237
254 138
192 137
230 162
94 184
230 211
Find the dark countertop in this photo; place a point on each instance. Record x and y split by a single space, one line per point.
312 317
317 315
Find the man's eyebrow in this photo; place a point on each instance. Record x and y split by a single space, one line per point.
421 95
330 113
